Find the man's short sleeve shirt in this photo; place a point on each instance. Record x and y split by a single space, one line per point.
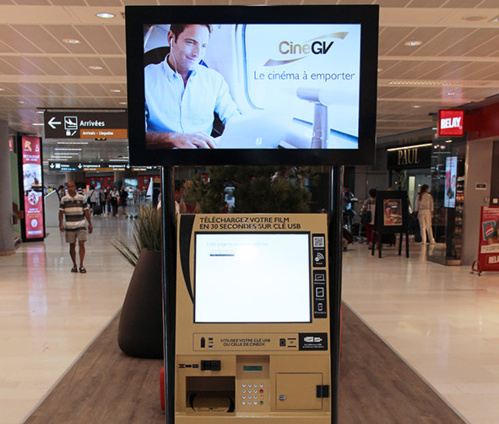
74 210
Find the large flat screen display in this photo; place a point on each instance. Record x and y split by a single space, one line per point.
252 85
252 278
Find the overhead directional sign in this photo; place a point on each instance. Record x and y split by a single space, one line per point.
89 167
95 125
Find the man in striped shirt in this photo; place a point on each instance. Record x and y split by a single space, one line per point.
74 208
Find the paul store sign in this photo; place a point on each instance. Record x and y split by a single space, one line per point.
418 156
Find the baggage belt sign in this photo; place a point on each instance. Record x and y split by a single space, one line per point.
100 125
488 250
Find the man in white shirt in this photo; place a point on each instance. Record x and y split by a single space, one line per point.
74 210
181 95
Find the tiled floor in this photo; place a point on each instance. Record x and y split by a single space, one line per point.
442 320
48 315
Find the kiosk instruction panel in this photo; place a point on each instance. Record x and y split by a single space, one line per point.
252 341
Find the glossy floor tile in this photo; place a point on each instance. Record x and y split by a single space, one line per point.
49 315
442 320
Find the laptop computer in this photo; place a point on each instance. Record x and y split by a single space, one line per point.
254 130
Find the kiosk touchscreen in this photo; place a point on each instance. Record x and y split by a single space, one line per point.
252 334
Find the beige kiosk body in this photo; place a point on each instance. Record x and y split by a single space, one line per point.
252 327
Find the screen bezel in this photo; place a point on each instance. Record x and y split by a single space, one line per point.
365 15
257 233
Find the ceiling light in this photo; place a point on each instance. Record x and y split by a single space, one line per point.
68 148
37 124
22 102
123 103
430 83
2 89
41 112
114 90
380 69
496 19
105 15
71 41
413 43
394 149
72 142
95 67
416 106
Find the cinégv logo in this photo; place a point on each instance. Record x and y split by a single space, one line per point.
292 51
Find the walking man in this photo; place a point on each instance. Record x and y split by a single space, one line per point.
74 208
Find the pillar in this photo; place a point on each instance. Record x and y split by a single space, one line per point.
119 177
6 229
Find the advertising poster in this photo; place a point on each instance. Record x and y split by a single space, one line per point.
392 212
450 182
488 253
274 86
11 144
32 187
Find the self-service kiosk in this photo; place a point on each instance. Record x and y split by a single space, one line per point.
252 327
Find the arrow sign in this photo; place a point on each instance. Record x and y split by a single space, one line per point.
80 165
52 165
53 123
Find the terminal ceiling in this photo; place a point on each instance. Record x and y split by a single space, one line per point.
455 60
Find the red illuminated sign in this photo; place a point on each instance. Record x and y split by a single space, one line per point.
32 188
450 123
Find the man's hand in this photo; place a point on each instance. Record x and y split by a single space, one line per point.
90 228
61 227
180 141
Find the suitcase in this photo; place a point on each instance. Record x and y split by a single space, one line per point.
98 209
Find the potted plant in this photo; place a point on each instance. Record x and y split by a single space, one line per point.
140 332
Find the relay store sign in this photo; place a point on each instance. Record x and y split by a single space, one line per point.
71 124
450 123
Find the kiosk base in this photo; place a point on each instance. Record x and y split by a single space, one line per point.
246 419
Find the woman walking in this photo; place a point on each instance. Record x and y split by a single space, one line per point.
424 209
368 212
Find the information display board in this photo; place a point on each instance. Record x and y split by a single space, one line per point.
33 227
253 337
488 245
272 85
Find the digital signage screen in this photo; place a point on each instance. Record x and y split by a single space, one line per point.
450 182
252 277
252 85
32 184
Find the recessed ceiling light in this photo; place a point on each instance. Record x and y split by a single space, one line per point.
41 112
413 43
114 90
71 41
95 67
2 89
123 103
416 106
450 93
22 102
496 19
37 124
380 69
105 15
